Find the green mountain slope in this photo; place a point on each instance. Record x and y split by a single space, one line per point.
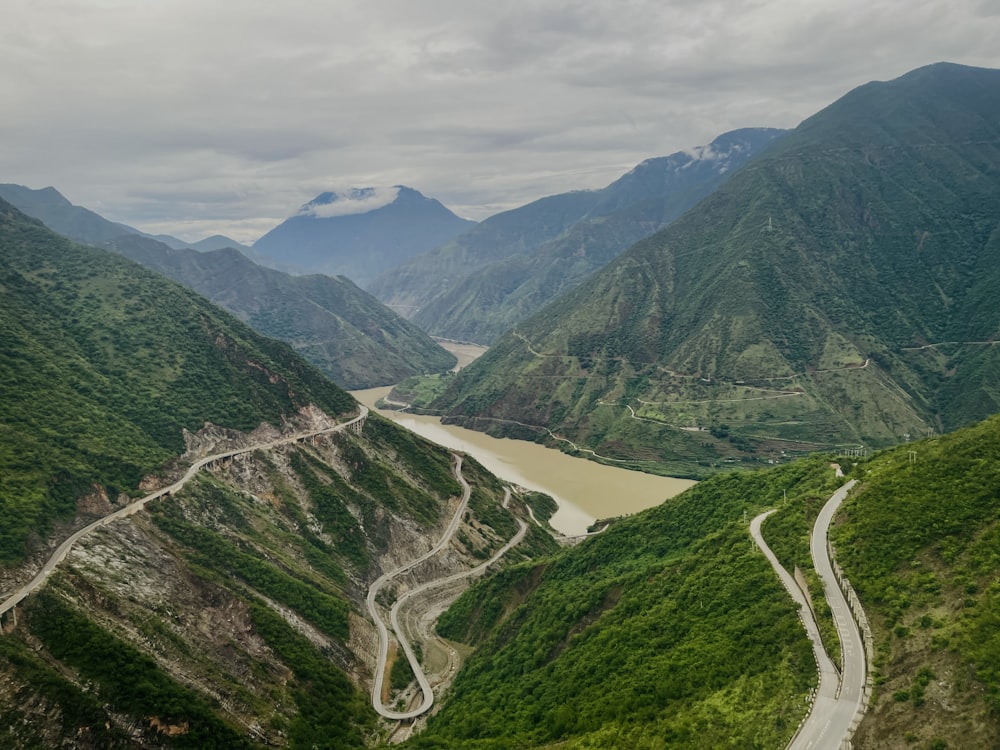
921 544
491 278
669 629
343 330
104 365
840 289
227 614
348 334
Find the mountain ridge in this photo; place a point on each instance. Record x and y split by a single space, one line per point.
341 329
750 325
487 280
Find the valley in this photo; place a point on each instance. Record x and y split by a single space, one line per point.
584 490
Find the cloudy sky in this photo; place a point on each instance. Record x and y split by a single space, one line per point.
200 116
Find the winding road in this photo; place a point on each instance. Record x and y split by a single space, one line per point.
840 696
383 631
63 549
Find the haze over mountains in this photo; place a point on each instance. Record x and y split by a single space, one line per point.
840 289
346 332
485 281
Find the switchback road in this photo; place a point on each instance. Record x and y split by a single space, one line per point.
383 632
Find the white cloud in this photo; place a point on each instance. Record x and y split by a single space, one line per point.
347 202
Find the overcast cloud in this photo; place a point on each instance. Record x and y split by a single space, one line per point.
201 116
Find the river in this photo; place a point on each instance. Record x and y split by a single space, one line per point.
585 490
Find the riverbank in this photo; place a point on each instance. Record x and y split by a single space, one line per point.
584 490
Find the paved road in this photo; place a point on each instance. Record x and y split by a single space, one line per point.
454 577
839 696
60 554
828 676
829 732
383 632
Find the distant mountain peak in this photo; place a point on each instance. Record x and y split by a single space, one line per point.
359 232
350 201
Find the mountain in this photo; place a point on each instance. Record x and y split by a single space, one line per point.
218 242
496 239
54 210
485 281
226 614
346 332
671 630
105 364
839 289
359 233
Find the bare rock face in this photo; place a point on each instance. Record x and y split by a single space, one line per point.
96 503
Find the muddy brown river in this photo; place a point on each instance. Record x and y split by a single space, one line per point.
585 490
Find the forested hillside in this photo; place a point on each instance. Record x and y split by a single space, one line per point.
839 290
489 279
105 364
347 333
227 614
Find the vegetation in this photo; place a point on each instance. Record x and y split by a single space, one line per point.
921 544
667 628
417 391
542 505
343 330
80 714
330 509
125 678
839 290
331 712
103 365
214 552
